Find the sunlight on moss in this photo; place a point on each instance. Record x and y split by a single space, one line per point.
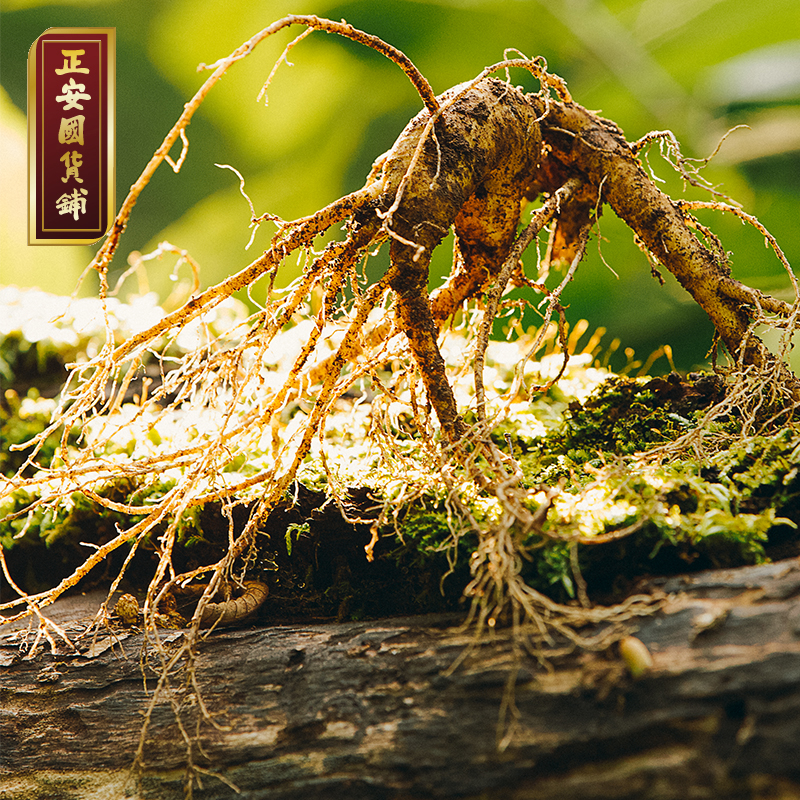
594 435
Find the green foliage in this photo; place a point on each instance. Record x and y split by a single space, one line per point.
626 416
649 65
717 512
550 570
21 419
78 518
427 526
293 531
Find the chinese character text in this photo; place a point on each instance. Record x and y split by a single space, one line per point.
72 203
72 168
71 130
71 62
73 92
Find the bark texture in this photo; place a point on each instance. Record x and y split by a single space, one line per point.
369 710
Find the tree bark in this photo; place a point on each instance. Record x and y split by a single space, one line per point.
370 709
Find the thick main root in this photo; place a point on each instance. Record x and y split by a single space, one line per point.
467 162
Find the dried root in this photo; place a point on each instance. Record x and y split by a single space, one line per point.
466 162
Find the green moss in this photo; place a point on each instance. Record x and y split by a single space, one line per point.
549 570
731 509
625 416
21 419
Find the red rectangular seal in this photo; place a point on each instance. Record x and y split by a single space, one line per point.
71 135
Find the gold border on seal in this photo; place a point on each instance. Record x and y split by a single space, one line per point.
33 114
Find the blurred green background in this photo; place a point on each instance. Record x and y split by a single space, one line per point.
696 67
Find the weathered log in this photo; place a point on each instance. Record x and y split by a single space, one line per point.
371 710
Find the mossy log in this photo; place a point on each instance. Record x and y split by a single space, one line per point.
372 709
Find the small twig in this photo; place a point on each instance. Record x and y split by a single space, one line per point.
768 302
33 607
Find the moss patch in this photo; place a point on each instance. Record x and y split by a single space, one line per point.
590 435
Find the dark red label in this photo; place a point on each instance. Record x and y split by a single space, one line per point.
71 98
